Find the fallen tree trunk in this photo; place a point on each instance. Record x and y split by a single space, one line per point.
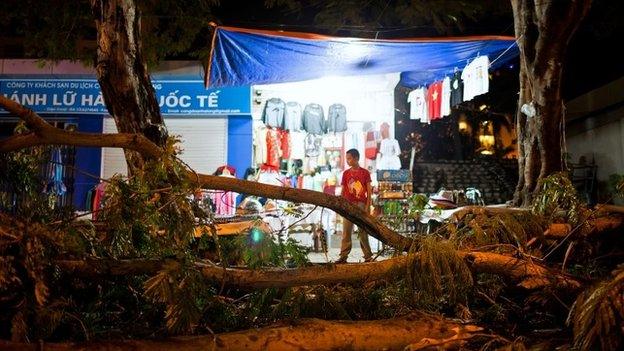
598 225
610 208
527 274
484 210
305 334
247 278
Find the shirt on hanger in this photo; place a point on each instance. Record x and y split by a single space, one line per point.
434 101
445 110
418 105
284 138
314 119
292 116
260 145
389 151
297 145
475 77
457 89
273 148
273 114
312 145
337 118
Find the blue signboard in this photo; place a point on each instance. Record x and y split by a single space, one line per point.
83 96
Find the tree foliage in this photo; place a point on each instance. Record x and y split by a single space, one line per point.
56 30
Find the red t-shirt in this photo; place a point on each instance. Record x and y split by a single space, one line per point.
284 143
434 100
273 148
355 184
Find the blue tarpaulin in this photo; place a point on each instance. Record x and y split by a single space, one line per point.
249 57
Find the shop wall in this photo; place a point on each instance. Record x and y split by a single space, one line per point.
239 143
604 145
595 128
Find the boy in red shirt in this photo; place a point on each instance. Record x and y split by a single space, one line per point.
356 188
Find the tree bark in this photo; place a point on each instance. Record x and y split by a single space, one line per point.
122 73
42 133
598 225
527 274
543 31
418 330
484 210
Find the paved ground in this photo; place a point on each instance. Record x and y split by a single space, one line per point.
333 253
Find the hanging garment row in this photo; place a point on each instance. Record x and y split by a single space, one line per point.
291 117
435 102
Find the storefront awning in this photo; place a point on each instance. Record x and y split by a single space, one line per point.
248 57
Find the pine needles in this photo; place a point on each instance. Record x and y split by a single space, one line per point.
597 316
438 274
482 230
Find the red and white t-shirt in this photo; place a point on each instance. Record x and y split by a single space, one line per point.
284 138
273 148
355 185
434 100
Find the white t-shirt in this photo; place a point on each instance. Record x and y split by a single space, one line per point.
418 105
297 145
446 97
260 145
475 77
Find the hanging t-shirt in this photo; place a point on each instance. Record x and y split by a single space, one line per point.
312 145
389 151
355 185
434 101
273 114
418 105
297 145
370 146
337 118
475 77
314 119
457 90
260 145
284 143
446 97
273 148
292 116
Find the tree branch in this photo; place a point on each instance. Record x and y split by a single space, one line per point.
45 134
303 334
527 274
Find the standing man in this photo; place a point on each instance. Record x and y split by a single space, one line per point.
356 188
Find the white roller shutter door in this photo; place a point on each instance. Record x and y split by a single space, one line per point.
203 140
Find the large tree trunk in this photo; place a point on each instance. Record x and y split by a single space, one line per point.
543 29
416 331
524 272
122 73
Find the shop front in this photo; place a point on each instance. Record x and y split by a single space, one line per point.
214 125
315 97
